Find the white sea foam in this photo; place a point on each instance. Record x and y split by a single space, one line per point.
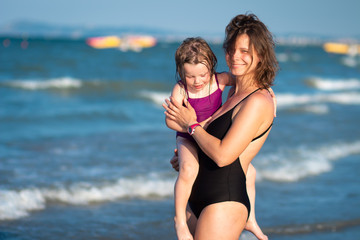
319 109
157 97
295 164
15 204
316 108
286 57
285 166
350 61
285 100
315 103
59 83
334 84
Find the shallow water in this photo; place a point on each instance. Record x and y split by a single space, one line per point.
84 149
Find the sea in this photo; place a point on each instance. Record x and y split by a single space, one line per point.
84 149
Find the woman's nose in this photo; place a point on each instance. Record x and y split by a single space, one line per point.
236 55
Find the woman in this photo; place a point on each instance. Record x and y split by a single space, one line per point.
235 133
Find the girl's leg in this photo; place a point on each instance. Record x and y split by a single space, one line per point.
188 169
224 220
251 224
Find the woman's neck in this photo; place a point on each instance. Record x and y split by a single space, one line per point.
245 84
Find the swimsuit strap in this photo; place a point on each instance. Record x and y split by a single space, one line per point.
263 133
217 81
270 124
247 96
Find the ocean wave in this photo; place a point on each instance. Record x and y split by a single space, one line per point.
319 109
287 57
350 61
315 103
294 164
286 100
58 83
16 204
131 89
156 97
334 84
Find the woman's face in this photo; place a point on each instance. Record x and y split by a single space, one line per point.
197 76
240 61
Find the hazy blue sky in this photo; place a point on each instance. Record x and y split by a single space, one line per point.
329 17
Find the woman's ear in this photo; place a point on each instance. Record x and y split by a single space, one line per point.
227 58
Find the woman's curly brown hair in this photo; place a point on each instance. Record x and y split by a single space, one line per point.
262 41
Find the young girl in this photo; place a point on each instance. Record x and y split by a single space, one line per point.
202 87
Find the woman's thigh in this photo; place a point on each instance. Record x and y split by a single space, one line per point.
224 220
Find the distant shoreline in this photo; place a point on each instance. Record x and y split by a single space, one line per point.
38 30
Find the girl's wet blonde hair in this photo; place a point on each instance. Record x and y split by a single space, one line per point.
194 51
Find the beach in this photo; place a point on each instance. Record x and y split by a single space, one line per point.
84 149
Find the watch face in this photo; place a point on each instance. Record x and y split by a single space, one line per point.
189 130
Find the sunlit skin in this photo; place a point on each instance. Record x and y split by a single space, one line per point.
250 118
242 62
197 79
198 85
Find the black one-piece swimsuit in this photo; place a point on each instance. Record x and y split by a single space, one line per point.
216 184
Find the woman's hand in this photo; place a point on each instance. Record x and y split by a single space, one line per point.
181 113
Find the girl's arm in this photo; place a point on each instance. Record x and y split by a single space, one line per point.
226 79
274 100
256 113
178 94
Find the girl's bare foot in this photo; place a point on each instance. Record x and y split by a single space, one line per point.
253 227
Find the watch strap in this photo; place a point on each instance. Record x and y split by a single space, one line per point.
191 129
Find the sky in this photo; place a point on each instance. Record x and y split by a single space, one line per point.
324 17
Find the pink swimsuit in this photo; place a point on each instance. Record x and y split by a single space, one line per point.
204 107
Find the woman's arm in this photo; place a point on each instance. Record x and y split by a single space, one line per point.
255 114
246 125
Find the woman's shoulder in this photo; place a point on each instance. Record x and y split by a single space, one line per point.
262 96
261 101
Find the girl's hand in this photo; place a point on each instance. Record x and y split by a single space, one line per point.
181 113
274 99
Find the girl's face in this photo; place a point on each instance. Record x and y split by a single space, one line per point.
241 61
197 76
